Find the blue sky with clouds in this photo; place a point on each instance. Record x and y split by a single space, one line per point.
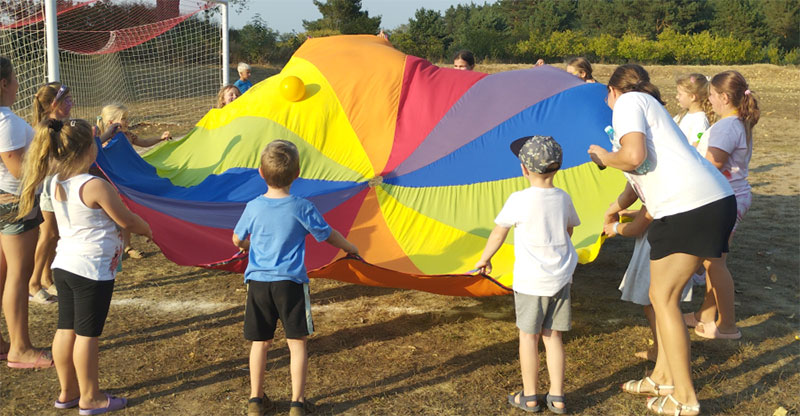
288 15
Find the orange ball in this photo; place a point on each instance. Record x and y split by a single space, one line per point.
292 88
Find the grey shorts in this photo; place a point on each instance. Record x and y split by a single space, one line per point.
8 211
535 313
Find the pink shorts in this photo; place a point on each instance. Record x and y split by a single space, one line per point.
743 202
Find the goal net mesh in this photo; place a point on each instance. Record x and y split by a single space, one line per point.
160 58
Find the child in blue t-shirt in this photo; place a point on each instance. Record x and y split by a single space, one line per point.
273 228
243 83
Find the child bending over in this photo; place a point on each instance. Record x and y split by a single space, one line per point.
545 259
273 228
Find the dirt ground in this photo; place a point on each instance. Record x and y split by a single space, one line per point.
173 341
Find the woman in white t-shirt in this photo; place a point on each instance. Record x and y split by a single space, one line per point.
728 145
693 210
17 236
696 113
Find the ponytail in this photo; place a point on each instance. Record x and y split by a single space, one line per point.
632 77
57 147
733 84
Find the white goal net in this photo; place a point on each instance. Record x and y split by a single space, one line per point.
160 58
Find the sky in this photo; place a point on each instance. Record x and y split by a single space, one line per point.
288 15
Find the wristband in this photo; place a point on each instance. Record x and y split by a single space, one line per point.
616 225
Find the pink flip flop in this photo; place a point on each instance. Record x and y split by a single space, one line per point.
114 403
68 404
43 360
709 330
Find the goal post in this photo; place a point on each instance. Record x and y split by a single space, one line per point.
163 59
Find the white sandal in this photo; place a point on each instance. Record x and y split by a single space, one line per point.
635 387
679 407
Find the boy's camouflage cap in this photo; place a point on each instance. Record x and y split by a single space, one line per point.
538 153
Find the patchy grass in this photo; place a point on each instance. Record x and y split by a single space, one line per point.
173 342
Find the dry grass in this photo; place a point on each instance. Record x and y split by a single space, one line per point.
173 342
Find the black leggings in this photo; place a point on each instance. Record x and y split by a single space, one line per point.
82 303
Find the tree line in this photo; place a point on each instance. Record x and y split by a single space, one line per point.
522 31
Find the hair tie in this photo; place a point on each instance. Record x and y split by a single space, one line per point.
747 92
55 124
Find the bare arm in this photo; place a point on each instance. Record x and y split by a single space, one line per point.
337 240
624 200
147 142
493 243
635 228
97 193
244 245
111 130
631 154
13 161
717 157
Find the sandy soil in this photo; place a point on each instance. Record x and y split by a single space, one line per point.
173 341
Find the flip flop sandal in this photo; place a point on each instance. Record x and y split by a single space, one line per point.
114 403
68 404
523 402
679 407
42 297
557 410
709 330
43 360
635 387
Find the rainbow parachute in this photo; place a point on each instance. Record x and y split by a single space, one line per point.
408 160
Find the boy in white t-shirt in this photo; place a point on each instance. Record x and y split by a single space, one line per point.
545 259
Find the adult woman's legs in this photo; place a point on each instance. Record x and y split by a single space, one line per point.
18 253
668 278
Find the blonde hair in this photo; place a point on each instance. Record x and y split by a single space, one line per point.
111 113
735 86
280 163
242 67
632 77
697 85
57 148
221 94
44 102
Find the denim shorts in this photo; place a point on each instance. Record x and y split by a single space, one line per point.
8 212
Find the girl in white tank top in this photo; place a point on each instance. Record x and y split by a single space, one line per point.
89 214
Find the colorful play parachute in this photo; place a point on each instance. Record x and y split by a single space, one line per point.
410 161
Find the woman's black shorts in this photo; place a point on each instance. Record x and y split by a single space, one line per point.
701 232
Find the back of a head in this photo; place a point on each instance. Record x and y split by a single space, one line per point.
733 84
44 102
582 64
632 77
111 113
6 69
280 163
57 148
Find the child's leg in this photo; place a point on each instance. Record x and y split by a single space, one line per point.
554 348
85 356
721 283
258 364
529 363
652 351
298 353
708 310
17 251
63 347
45 253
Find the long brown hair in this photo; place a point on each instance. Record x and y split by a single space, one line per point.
44 102
632 77
697 85
735 86
582 64
6 69
57 147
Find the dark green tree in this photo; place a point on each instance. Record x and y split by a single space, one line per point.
426 36
783 21
741 19
344 16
